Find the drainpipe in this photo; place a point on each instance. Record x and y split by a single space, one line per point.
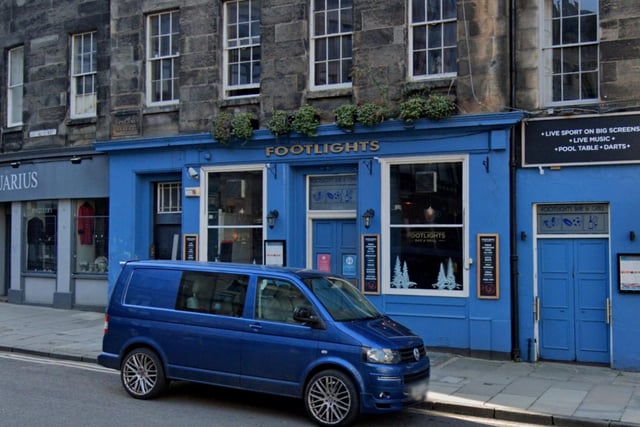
515 321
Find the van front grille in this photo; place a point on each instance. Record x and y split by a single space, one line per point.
408 354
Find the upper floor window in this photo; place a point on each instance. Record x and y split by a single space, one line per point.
15 86
83 75
331 43
570 51
163 30
242 52
433 38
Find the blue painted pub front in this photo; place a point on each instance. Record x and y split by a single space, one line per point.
418 218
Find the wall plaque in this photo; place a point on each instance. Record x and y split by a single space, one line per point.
125 123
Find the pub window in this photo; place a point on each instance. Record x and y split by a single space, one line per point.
91 236
426 228
40 221
234 216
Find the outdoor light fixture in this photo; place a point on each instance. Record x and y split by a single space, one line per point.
632 235
271 218
15 165
76 160
366 217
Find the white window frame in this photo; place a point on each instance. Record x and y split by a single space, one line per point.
385 218
15 86
241 44
83 75
169 197
313 38
204 203
156 58
442 21
546 58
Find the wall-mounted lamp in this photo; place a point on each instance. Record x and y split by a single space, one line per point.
76 160
366 217
632 235
523 236
193 173
271 218
15 165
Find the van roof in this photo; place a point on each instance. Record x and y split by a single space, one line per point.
226 266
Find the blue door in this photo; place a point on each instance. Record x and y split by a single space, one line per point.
335 247
573 291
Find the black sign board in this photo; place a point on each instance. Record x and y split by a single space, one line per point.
488 275
190 247
581 140
370 266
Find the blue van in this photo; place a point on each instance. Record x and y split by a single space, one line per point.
217 323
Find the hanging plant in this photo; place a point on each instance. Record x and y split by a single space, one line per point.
413 109
242 126
280 123
221 127
439 107
346 116
370 114
306 120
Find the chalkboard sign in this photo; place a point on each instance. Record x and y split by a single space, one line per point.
370 264
190 247
488 273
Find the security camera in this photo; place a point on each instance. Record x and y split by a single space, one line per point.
193 173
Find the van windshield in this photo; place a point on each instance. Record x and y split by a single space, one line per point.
341 299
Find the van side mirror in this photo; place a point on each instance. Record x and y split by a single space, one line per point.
308 317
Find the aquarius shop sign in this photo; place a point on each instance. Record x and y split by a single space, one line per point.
326 148
18 181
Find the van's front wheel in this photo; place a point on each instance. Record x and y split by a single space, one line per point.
331 399
142 374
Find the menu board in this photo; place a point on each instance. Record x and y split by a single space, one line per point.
371 264
488 274
190 247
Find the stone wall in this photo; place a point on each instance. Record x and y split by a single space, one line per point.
44 29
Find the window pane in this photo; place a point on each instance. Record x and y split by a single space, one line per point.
418 11
426 258
589 85
588 28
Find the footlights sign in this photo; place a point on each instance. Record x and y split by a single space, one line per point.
581 140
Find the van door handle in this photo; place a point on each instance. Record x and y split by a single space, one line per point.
255 326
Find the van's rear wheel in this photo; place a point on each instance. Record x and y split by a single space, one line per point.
142 374
331 399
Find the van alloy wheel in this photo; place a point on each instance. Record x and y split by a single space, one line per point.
331 399
142 374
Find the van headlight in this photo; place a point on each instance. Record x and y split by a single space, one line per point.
381 355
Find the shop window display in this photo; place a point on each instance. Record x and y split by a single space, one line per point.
41 223
91 236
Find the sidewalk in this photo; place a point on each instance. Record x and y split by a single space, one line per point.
542 393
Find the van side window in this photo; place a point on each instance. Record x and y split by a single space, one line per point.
212 293
277 299
149 287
